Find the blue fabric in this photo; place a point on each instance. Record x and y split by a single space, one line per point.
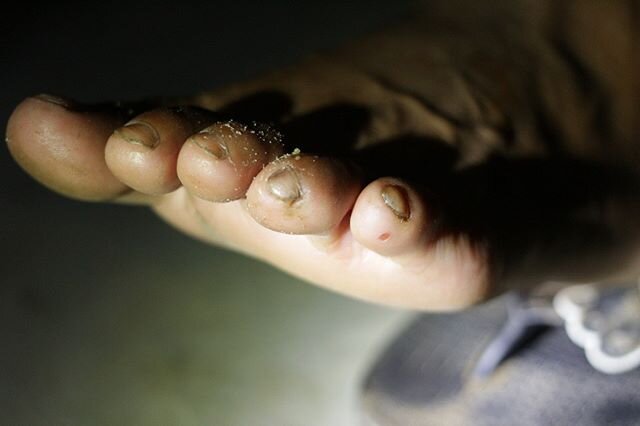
426 377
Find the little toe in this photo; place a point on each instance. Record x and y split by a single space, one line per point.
391 218
61 145
303 194
220 162
144 152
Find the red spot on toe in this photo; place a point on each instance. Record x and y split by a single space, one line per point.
384 237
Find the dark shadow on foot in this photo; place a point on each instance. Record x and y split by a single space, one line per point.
267 107
332 130
548 218
539 219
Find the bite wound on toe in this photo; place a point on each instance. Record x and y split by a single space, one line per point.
397 199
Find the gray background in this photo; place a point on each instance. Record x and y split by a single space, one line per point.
107 316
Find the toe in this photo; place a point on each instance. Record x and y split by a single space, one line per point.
303 194
220 162
391 218
62 147
144 152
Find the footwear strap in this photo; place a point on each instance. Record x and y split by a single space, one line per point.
605 322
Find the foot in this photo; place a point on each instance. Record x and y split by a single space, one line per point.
353 185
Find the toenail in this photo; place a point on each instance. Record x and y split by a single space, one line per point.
284 184
139 133
65 103
396 198
211 144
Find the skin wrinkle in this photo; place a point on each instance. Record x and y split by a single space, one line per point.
442 125
405 105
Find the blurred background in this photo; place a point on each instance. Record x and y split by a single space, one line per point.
109 317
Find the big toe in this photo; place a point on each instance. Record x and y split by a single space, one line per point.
62 146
